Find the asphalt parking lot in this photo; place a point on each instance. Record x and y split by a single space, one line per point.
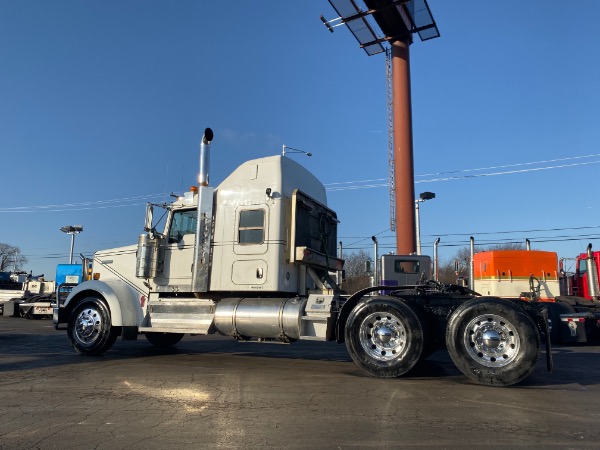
212 392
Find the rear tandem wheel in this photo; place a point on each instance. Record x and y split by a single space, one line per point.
384 337
493 341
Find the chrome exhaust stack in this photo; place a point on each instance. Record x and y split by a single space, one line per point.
436 262
375 258
205 157
592 274
472 264
201 264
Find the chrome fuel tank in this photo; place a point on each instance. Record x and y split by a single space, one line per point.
275 318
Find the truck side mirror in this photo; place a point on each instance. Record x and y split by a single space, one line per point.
149 215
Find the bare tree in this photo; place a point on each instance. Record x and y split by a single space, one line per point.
11 258
357 275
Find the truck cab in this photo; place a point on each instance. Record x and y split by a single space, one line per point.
511 273
264 218
586 267
405 270
261 242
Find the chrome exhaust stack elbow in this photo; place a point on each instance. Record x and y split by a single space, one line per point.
592 274
205 157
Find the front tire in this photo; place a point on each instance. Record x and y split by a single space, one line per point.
90 330
164 340
384 337
493 342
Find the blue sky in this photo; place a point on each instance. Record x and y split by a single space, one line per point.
103 104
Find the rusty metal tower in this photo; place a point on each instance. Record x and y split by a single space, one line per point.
398 21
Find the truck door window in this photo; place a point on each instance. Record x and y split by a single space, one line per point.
183 222
582 267
251 227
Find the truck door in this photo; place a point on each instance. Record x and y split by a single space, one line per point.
179 250
581 277
251 245
482 281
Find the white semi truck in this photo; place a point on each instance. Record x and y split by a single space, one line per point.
36 298
31 299
253 258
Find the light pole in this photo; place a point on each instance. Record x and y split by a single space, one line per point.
287 149
72 230
422 197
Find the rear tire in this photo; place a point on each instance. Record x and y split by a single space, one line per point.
384 337
164 340
493 342
90 330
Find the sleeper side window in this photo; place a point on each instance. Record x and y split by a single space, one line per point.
251 227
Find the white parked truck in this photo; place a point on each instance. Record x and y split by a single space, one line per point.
252 258
36 298
29 297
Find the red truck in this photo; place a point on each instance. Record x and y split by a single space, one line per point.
584 281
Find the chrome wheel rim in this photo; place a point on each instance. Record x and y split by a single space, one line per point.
88 326
491 340
383 336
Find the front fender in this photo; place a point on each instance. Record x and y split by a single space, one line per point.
123 301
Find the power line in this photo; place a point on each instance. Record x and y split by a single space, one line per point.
350 182
116 200
477 233
82 206
448 244
533 241
374 183
539 230
489 242
75 209
508 172
364 239
511 165
331 187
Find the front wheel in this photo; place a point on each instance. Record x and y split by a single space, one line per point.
493 342
89 329
384 337
164 340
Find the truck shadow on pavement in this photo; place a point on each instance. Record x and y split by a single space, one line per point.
23 351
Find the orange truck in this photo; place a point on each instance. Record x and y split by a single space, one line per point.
572 300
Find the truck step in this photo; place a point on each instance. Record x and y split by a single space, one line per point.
316 328
166 329
192 315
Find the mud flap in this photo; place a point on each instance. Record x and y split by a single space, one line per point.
549 361
129 333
